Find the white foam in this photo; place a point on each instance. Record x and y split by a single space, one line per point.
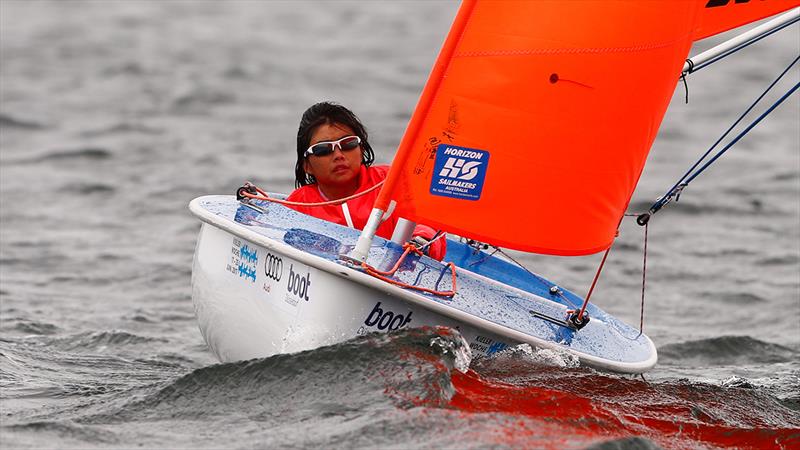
543 356
458 347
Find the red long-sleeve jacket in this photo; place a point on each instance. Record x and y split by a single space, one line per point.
355 213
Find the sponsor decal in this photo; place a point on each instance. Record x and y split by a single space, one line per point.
487 346
273 267
249 255
385 320
298 286
717 3
459 172
247 272
496 347
243 260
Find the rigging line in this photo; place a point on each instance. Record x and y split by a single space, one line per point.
663 200
594 282
744 132
253 192
436 236
407 249
744 114
498 249
644 278
541 280
697 67
547 318
485 257
686 87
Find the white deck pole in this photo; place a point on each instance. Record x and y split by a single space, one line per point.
403 231
364 242
755 33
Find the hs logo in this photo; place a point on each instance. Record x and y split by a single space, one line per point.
460 169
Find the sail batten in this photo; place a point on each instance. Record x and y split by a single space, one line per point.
536 122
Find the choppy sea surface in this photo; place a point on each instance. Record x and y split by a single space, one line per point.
115 114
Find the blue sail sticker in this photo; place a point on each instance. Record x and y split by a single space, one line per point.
459 172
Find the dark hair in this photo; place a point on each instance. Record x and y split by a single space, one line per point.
327 113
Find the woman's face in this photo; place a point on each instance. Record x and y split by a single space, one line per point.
338 170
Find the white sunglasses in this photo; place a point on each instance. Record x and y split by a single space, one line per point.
327 147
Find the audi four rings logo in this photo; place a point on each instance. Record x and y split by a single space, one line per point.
273 267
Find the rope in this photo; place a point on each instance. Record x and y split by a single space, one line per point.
690 69
594 282
745 131
408 248
685 86
644 278
545 282
680 184
436 236
248 188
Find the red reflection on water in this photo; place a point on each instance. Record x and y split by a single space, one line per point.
608 408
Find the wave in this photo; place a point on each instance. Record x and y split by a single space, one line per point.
92 153
786 176
628 443
100 340
735 298
26 326
400 390
789 259
7 121
125 68
124 128
722 253
140 316
76 154
725 350
89 188
69 433
374 372
200 98
34 327
46 368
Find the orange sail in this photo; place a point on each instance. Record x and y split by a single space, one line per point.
536 121
718 16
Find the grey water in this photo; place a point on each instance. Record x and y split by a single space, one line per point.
115 114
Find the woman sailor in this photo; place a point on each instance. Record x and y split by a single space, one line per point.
334 161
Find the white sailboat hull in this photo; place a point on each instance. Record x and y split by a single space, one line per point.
270 283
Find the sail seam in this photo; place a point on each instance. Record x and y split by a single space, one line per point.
559 51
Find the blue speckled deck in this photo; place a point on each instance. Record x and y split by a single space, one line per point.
604 337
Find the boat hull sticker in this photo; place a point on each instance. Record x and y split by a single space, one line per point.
299 284
243 260
459 172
